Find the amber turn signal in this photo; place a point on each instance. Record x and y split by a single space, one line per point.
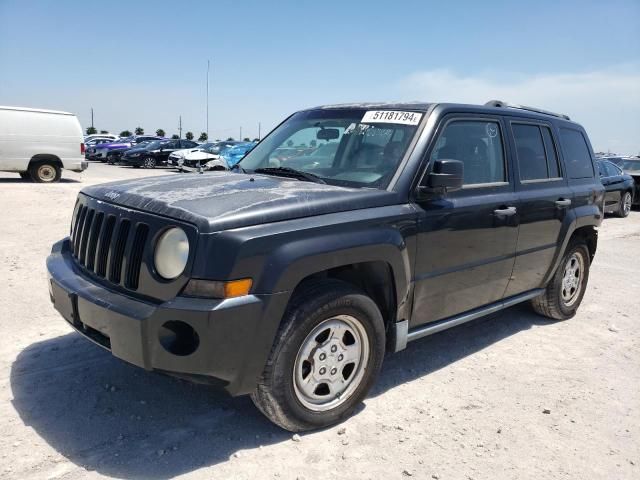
216 289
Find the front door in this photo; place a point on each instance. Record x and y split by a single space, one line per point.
467 238
613 182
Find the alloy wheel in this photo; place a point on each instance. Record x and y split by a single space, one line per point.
572 279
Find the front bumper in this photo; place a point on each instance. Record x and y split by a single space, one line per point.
234 336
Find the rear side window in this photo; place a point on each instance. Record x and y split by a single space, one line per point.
477 144
537 158
576 153
532 160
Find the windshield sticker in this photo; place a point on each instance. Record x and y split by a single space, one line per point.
391 116
492 130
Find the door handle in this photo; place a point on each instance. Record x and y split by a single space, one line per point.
563 202
505 212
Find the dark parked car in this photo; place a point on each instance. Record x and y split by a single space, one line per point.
155 153
619 188
631 166
290 284
104 151
115 156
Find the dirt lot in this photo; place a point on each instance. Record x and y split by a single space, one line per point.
469 403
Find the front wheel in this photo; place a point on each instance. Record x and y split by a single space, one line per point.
625 205
149 162
564 293
326 356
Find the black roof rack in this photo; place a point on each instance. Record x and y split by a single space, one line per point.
501 104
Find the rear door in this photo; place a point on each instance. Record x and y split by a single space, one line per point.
545 200
466 239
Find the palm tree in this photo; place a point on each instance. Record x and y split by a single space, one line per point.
91 130
203 137
104 131
125 133
246 139
160 132
174 137
139 131
230 139
188 136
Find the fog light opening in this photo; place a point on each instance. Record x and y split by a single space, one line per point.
178 338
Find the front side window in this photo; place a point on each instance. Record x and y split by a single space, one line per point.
477 144
576 154
349 147
602 170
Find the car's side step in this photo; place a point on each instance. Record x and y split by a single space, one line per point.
403 335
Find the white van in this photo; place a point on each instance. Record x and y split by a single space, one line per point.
38 144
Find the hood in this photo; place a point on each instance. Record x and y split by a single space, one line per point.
184 152
199 155
223 200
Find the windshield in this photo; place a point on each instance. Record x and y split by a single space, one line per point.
351 147
631 165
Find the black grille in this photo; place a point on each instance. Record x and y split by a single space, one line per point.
109 246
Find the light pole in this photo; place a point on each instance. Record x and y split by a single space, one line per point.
207 99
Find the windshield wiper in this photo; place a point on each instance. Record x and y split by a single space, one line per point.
291 172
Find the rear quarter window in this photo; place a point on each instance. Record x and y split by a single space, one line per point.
577 156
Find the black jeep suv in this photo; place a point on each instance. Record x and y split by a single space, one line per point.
290 284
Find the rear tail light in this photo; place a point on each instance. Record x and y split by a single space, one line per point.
82 149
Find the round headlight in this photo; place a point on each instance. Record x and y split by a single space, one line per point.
172 253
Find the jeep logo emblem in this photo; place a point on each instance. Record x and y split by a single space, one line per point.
112 195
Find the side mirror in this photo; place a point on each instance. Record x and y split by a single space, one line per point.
446 176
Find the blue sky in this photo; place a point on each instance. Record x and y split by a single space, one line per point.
144 63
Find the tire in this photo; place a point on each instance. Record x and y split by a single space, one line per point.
625 205
25 175
564 293
308 331
149 162
45 172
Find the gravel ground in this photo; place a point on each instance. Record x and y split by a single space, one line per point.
510 396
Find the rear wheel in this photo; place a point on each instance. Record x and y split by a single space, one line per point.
149 162
625 205
45 172
564 293
325 358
